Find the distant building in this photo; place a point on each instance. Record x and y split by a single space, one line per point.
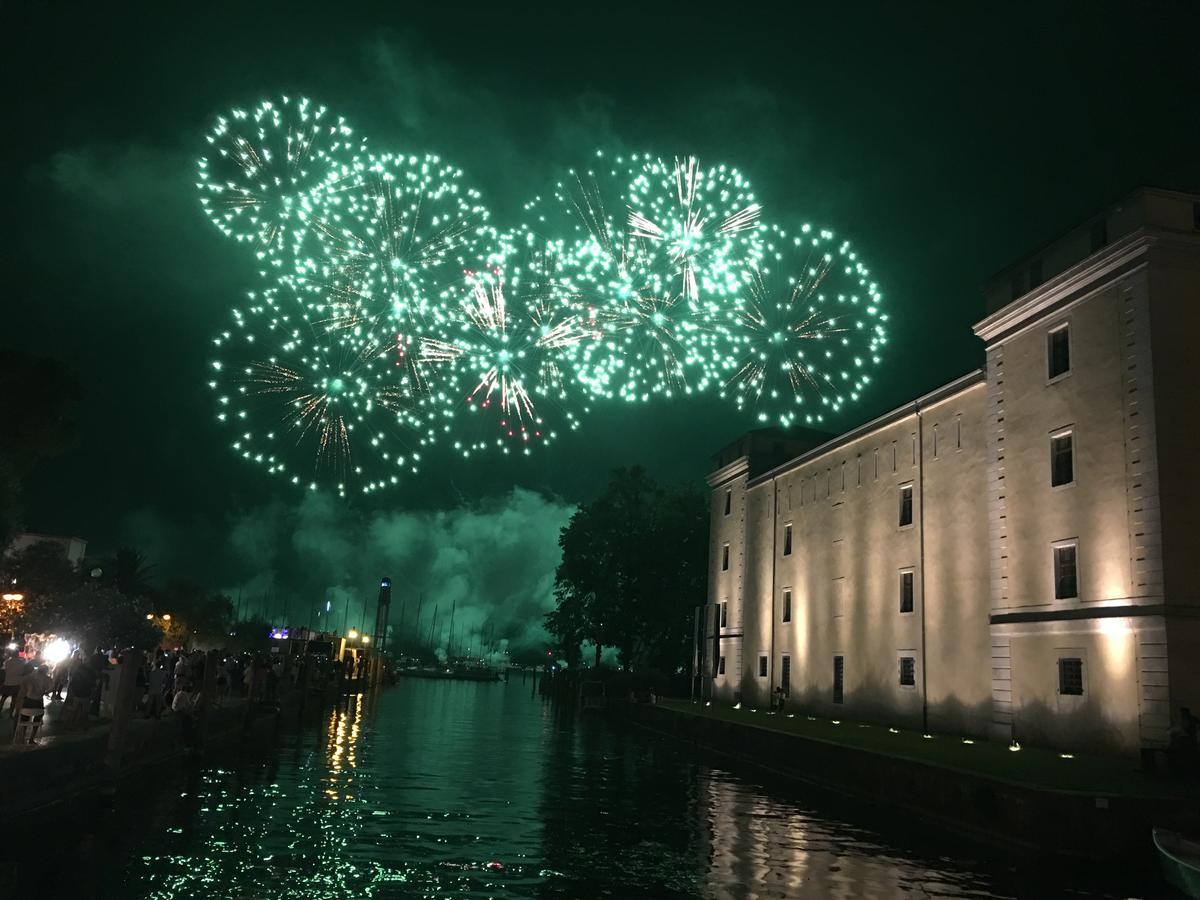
1013 554
73 547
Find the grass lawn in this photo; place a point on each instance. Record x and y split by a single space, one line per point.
1030 765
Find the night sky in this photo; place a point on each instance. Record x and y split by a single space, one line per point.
944 147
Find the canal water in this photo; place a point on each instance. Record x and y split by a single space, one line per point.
453 789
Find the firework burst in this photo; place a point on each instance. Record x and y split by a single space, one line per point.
805 331
503 344
293 390
394 230
264 162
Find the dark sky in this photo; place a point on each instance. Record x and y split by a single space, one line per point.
943 145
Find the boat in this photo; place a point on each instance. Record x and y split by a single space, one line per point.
1180 860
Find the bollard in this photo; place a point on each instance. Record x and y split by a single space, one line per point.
122 708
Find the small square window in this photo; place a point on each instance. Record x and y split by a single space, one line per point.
1070 676
787 606
1099 234
728 501
908 671
725 558
906 592
1062 459
1066 576
1058 352
721 665
787 539
762 667
906 510
839 672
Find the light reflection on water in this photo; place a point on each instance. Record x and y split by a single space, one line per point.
481 790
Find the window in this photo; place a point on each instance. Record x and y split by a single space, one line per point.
728 501
935 441
958 433
914 448
1058 352
787 605
908 671
893 456
785 675
877 465
1066 578
762 667
859 476
1035 274
787 539
1062 459
843 475
721 665
906 505
839 670
725 614
906 592
1070 676
725 558
1099 234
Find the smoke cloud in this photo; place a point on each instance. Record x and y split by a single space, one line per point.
490 564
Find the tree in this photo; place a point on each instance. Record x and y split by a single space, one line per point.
632 572
129 571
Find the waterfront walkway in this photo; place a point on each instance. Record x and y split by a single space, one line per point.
1029 766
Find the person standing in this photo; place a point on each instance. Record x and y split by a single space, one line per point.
32 696
14 672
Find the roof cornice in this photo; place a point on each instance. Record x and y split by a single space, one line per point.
937 395
1116 259
739 466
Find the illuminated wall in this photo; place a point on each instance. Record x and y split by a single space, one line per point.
989 628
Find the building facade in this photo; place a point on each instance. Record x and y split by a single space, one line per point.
1007 556
73 548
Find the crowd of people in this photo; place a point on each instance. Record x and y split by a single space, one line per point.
166 680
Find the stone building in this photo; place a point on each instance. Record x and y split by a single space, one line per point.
1010 555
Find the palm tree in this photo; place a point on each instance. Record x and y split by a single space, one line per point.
130 572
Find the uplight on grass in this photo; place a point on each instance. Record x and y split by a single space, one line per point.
893 731
968 741
1014 746
1066 756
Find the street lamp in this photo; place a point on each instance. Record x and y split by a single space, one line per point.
352 634
13 598
366 639
166 617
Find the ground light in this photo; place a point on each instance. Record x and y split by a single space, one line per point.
1014 746
56 651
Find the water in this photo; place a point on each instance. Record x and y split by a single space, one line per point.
446 789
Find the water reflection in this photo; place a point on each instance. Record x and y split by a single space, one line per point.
480 790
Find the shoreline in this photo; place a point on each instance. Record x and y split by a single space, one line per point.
1083 825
